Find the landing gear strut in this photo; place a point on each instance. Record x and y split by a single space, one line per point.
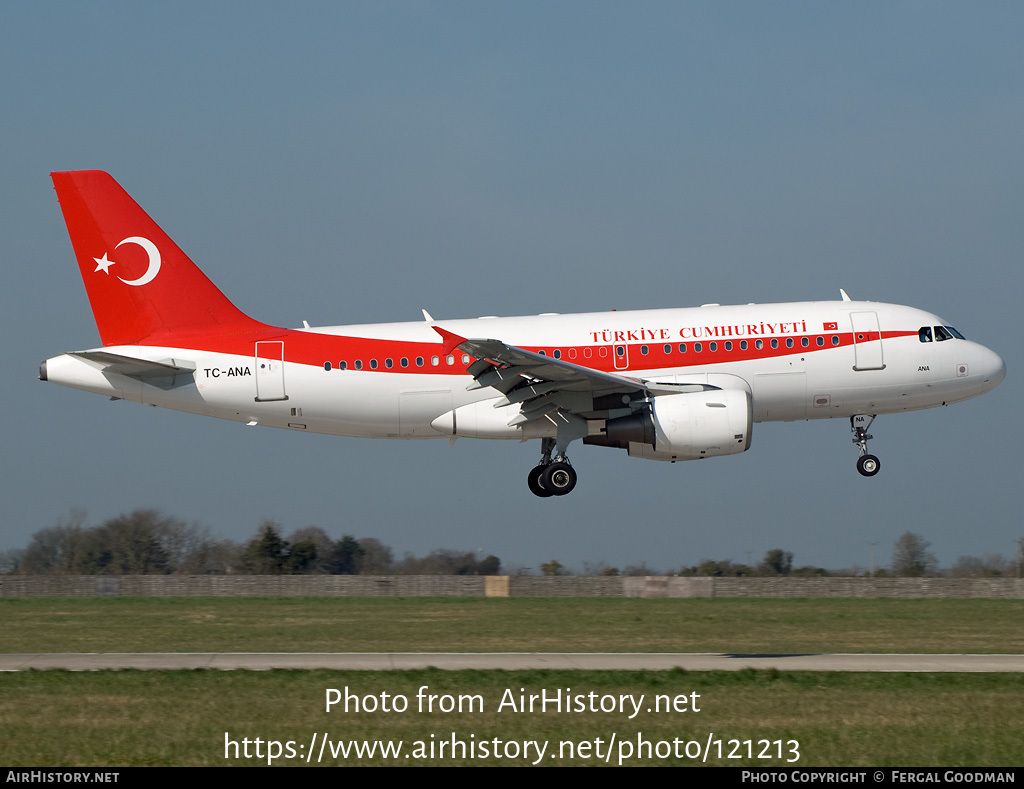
551 477
867 465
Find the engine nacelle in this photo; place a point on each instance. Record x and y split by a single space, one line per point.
685 427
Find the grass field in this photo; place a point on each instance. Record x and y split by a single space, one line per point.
510 625
181 717
108 718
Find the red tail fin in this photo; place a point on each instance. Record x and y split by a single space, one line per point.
141 286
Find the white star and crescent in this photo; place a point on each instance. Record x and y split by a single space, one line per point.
104 263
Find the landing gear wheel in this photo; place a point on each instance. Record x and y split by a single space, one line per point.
559 478
533 481
868 465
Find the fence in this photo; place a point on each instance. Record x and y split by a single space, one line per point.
496 586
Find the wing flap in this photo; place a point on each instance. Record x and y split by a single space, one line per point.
550 388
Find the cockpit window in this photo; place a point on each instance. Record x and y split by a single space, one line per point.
955 333
941 334
924 334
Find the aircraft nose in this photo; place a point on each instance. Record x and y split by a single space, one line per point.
990 367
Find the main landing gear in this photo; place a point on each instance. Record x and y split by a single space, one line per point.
867 465
551 477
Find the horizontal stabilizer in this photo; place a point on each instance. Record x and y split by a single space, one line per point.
166 374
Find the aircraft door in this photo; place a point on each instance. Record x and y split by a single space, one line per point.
270 371
867 341
620 353
418 408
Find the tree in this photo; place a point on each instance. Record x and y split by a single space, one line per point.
11 560
910 556
554 567
988 566
639 570
448 562
310 550
266 553
345 556
56 549
377 558
777 562
811 572
301 557
722 569
131 544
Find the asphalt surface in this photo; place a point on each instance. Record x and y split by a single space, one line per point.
380 661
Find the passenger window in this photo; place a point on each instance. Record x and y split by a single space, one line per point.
789 342
359 364
820 341
405 362
602 351
388 363
557 354
465 358
342 365
373 364
682 347
728 345
696 347
620 350
450 359
743 345
759 344
572 353
775 343
327 365
924 334
668 349
419 361
835 340
643 350
587 353
804 342
712 346
434 361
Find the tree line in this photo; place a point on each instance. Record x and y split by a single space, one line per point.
147 542
911 558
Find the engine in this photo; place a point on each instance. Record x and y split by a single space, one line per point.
684 427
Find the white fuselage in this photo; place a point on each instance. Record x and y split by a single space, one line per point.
808 360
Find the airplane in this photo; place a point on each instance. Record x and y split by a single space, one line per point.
663 384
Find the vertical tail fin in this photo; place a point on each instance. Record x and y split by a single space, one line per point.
143 289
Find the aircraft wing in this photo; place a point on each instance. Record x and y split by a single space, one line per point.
544 384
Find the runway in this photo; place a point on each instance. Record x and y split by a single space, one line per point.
585 661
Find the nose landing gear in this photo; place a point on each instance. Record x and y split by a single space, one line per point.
867 465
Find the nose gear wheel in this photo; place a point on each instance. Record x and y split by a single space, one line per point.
868 465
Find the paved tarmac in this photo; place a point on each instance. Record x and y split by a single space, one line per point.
587 661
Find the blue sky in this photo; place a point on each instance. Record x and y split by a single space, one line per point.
355 162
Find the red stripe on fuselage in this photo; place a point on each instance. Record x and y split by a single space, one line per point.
310 348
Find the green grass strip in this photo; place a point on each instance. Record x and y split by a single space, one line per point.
510 625
125 718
